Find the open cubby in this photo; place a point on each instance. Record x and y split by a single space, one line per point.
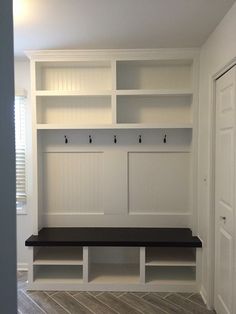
114 265
154 109
77 110
170 275
58 274
154 74
73 76
58 256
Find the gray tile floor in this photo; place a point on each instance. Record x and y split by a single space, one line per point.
61 302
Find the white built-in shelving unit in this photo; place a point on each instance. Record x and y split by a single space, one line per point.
104 123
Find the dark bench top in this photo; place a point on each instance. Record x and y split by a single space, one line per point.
156 237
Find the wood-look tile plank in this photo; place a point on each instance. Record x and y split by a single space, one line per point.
70 304
93 303
116 304
161 294
164 304
185 295
196 297
140 304
187 304
26 305
117 293
47 303
140 294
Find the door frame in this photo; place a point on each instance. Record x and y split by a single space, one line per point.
211 229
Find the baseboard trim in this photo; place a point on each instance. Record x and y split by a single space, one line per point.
22 266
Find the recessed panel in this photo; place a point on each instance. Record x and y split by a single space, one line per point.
72 182
159 183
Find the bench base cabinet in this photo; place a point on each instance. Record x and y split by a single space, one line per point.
114 269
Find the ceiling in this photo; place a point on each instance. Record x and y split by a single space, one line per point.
95 24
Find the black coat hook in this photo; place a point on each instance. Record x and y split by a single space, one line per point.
115 139
165 139
66 139
140 139
90 139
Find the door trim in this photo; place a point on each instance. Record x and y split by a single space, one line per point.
211 229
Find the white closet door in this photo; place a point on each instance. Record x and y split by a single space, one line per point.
225 192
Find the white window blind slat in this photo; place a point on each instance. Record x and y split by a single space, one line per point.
20 143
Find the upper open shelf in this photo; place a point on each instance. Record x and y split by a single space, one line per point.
154 75
81 77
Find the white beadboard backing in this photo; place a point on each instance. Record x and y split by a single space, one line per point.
114 255
74 78
74 110
73 182
152 74
154 109
159 182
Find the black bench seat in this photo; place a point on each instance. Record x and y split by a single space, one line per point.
131 237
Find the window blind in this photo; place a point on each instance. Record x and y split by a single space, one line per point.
20 144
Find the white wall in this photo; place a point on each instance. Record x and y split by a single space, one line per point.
218 50
24 222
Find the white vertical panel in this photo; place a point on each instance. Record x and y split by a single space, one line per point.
159 182
142 264
115 182
73 182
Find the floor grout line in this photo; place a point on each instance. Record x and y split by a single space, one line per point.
132 306
33 301
81 303
106 303
51 297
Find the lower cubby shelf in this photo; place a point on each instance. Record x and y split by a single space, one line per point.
114 273
58 274
170 275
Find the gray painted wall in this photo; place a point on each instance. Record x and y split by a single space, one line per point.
7 164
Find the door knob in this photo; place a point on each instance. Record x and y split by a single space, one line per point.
223 218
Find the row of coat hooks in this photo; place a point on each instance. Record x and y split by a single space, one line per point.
90 139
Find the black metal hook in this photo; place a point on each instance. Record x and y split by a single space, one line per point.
140 139
115 139
165 139
90 139
66 139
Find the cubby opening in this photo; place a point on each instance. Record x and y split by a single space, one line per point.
171 275
114 265
58 274
154 75
73 76
58 256
159 109
77 110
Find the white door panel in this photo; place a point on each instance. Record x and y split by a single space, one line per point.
225 192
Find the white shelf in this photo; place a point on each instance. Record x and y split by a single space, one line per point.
72 93
170 275
170 257
59 256
157 92
114 273
114 126
58 274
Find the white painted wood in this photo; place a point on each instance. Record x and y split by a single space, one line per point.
58 256
142 265
86 264
152 74
51 93
225 192
115 182
157 92
154 109
74 110
170 257
167 181
73 182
